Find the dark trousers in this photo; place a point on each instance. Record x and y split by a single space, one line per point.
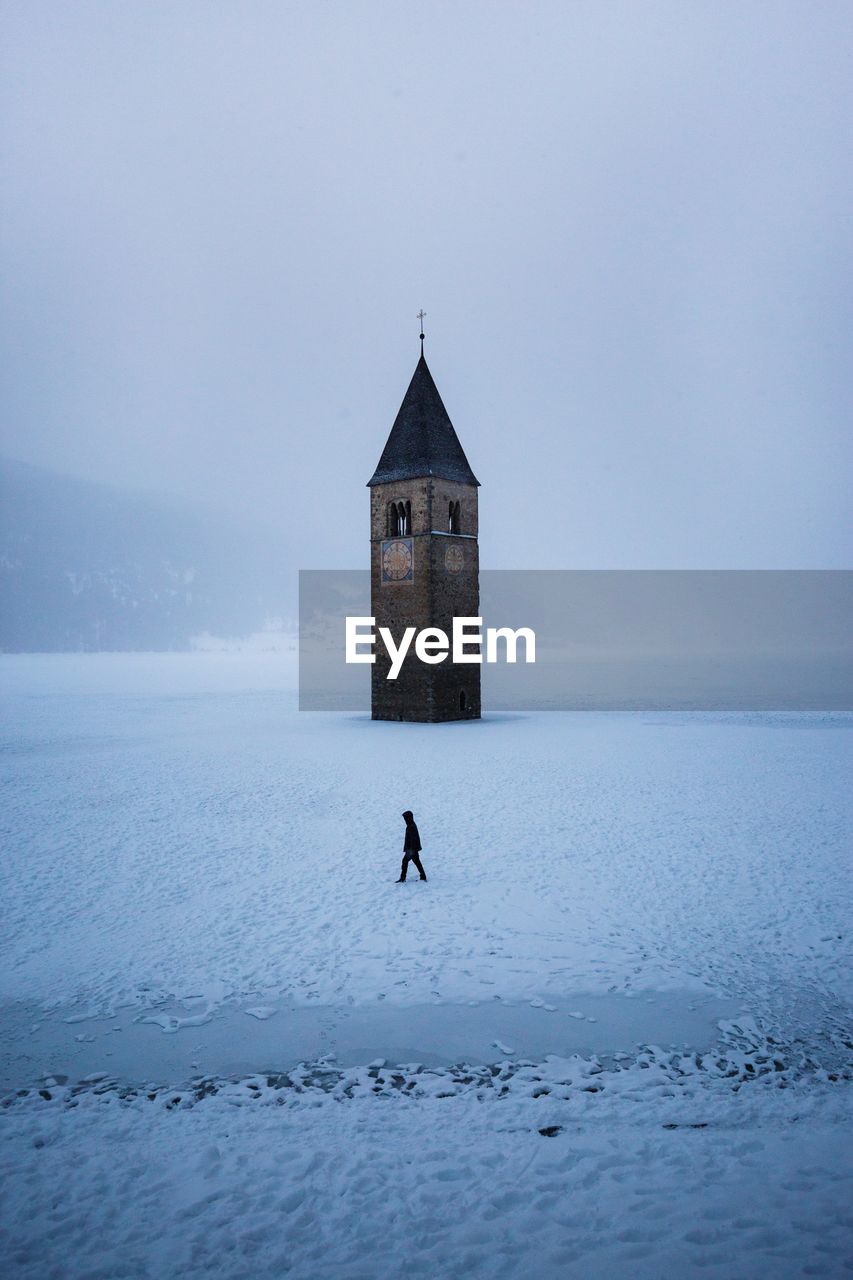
411 857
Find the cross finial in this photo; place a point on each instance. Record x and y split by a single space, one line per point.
421 315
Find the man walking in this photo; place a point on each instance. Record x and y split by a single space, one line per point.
411 847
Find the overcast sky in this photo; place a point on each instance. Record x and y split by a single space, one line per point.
628 223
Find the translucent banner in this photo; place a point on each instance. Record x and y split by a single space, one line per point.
714 640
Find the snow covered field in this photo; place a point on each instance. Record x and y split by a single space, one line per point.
635 938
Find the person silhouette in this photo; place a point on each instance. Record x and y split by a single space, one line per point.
411 847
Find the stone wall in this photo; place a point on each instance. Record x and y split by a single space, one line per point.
445 583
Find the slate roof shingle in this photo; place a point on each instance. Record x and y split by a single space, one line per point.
422 440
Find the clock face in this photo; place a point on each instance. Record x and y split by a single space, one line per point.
454 558
397 560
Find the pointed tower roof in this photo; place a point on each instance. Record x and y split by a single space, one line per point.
422 440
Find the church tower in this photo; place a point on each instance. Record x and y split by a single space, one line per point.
424 557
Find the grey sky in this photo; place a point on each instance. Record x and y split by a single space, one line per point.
629 224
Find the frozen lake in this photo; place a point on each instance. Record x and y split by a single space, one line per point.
176 831
269 1038
199 882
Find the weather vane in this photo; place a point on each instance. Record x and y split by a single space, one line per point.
421 315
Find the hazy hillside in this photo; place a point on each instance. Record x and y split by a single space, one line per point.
88 567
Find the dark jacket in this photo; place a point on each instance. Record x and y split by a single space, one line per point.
412 842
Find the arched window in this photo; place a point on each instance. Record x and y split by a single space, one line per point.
454 517
399 518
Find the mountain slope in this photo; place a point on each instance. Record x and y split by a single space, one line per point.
89 567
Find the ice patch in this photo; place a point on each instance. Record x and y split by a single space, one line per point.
170 1023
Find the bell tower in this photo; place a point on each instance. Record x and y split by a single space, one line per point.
424 557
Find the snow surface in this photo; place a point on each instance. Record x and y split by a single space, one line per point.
191 862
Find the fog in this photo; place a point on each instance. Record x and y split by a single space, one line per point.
629 226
